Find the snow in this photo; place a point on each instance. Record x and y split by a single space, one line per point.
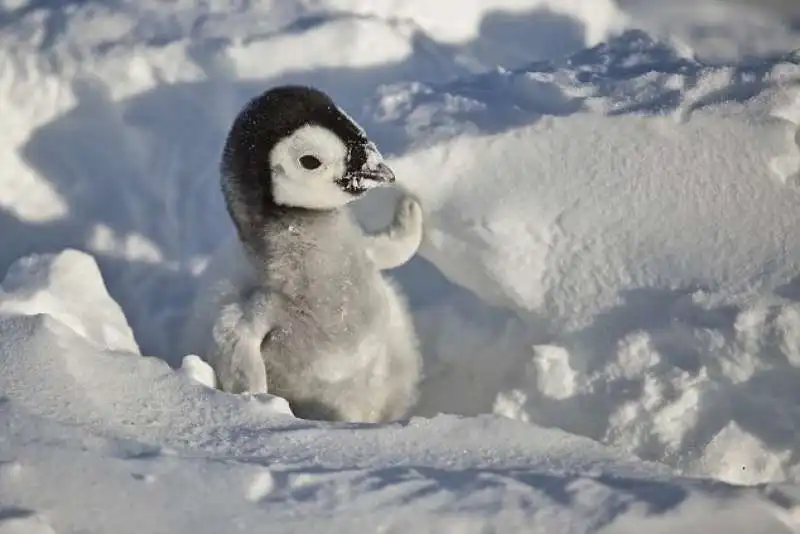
607 294
84 424
632 219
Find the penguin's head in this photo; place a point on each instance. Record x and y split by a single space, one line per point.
292 147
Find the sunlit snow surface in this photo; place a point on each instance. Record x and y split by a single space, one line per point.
610 253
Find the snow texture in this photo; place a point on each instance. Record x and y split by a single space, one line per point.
84 424
607 294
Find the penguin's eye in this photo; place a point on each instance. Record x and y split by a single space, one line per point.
310 162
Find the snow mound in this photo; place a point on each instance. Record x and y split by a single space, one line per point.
83 424
620 211
194 368
70 288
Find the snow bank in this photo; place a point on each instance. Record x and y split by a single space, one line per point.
102 440
636 211
71 290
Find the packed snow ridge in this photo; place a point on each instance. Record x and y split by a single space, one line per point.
610 259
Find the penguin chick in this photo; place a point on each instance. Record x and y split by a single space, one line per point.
296 305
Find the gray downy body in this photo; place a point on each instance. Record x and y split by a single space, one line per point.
342 346
296 304
340 343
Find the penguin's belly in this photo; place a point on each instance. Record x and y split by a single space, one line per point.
339 377
320 342
361 362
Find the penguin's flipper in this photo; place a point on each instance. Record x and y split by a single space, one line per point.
238 333
396 244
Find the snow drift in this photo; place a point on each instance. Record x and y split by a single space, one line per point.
610 254
637 216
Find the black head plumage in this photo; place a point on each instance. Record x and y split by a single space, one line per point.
272 116
264 122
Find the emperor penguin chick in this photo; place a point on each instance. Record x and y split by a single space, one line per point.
296 304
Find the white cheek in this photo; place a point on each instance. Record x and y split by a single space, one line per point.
292 185
312 194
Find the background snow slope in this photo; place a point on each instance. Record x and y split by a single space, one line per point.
638 219
610 251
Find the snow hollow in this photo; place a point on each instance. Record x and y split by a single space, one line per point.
608 293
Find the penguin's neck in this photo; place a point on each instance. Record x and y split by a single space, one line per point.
282 216
294 232
297 224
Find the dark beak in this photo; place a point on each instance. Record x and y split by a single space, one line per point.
380 173
372 173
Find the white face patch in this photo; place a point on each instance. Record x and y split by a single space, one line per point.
305 167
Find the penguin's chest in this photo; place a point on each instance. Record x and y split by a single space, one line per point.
330 322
